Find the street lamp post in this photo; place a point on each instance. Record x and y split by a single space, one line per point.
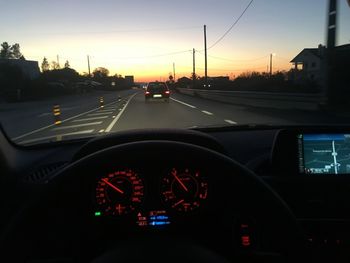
271 55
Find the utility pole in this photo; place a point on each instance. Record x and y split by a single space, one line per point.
88 60
332 93
194 63
194 68
332 24
270 64
206 57
174 72
58 61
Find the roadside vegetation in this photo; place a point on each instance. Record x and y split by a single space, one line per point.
280 81
51 81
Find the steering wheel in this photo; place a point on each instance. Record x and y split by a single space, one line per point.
55 221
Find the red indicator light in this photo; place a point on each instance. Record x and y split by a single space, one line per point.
244 226
245 241
147 92
167 92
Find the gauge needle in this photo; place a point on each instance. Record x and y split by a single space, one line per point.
180 182
180 202
113 186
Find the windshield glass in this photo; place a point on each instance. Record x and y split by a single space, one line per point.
76 69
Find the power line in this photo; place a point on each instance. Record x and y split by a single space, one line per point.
282 58
239 60
229 70
235 60
115 31
153 56
232 26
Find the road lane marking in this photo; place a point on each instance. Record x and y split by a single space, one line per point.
52 125
230 122
106 111
77 126
91 119
109 128
184 103
102 130
207 112
99 113
44 114
57 136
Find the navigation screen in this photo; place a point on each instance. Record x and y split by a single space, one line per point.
324 153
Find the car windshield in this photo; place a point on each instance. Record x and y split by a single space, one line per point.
80 69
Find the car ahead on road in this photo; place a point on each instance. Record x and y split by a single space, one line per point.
157 91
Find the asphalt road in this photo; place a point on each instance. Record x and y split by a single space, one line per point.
82 116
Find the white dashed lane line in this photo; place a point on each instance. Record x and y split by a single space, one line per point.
77 126
203 111
91 119
105 111
230 122
207 112
99 113
110 108
184 103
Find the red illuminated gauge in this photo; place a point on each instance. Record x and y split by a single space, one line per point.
119 193
184 190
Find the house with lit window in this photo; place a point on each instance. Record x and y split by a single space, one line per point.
310 65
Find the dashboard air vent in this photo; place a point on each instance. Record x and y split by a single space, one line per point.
43 173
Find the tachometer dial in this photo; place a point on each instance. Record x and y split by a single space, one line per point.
119 192
184 190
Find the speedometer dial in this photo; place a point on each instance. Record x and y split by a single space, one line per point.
184 190
119 192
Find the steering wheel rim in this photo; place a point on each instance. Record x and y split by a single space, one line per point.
143 149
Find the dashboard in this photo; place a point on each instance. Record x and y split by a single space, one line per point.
174 193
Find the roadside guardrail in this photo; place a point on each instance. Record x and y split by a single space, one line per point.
301 101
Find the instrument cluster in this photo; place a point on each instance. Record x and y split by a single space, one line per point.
151 198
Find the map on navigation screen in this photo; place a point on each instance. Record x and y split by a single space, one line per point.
324 153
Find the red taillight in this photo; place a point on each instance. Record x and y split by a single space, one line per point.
147 92
167 92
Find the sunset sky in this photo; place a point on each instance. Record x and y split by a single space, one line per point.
144 38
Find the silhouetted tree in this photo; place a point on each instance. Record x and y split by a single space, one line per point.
45 66
66 65
55 65
85 74
8 51
16 52
118 76
100 73
5 51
